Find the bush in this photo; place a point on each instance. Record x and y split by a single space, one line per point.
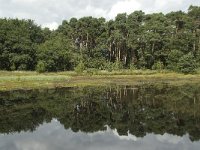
108 66
22 67
187 64
141 63
117 65
98 63
158 66
173 59
197 70
41 67
114 66
12 68
92 71
80 67
132 66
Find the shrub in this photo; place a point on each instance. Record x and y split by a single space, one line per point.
132 66
98 63
114 66
158 66
117 65
22 67
141 63
173 59
80 67
108 66
187 64
92 71
41 67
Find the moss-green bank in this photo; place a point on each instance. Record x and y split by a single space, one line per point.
31 80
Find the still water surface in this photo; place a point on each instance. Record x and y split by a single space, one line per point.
143 117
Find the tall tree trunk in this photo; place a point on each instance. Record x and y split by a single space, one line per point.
194 43
198 44
119 55
153 47
116 52
87 40
110 50
194 47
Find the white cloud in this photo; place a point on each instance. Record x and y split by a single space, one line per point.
49 12
53 136
30 145
23 1
172 139
169 5
91 11
51 26
127 6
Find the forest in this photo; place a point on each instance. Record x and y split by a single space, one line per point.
131 41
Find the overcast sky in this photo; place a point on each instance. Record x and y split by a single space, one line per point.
53 136
50 13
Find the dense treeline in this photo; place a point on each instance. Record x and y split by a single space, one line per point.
135 41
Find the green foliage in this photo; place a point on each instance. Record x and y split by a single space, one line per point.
132 66
158 66
18 44
98 63
173 59
187 64
144 40
92 71
55 52
116 66
109 66
141 63
41 67
80 67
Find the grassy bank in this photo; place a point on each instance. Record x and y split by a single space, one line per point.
32 80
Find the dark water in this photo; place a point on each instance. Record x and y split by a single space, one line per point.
143 117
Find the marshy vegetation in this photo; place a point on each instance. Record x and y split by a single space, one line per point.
33 80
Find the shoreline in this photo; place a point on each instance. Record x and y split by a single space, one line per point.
19 80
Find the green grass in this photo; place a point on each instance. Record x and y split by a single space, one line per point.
132 72
31 80
34 78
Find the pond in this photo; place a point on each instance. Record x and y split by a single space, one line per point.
139 117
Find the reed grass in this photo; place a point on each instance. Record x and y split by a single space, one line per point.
31 80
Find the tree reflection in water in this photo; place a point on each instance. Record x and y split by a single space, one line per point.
138 110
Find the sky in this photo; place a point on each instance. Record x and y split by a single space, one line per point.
53 136
51 13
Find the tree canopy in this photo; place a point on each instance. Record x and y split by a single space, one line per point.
142 40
